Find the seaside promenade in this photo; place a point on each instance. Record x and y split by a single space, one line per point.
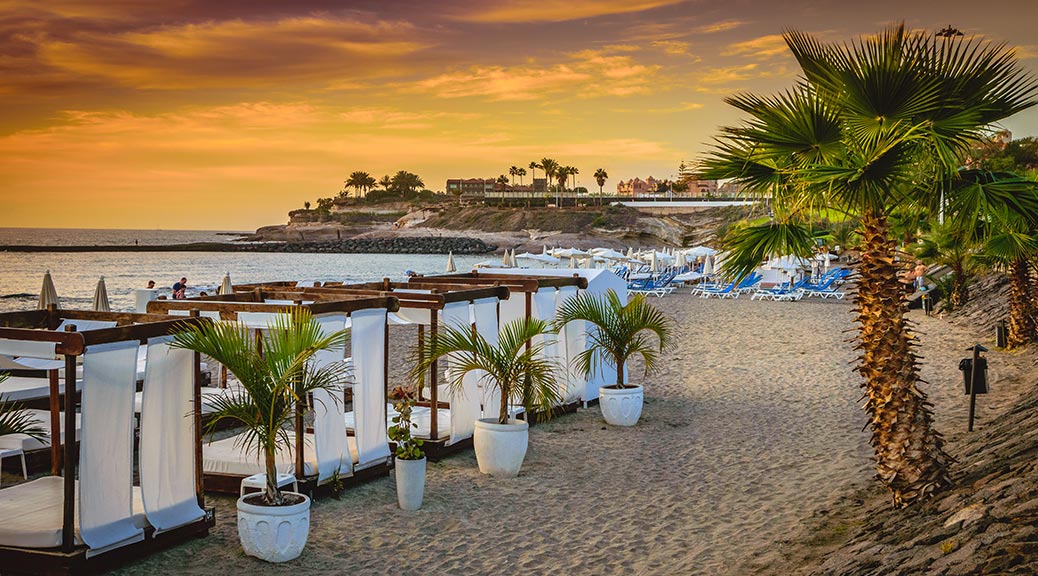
752 426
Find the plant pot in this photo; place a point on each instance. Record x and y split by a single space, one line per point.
410 483
273 533
621 406
500 448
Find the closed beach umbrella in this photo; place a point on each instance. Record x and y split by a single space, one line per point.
504 259
572 262
450 262
226 287
654 264
708 266
48 295
681 263
101 297
826 262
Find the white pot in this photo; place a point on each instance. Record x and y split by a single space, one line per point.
274 533
410 483
500 448
621 406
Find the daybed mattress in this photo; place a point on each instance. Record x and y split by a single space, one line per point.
24 388
420 415
224 457
208 392
32 513
28 443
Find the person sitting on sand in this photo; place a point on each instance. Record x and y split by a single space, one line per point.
151 284
180 289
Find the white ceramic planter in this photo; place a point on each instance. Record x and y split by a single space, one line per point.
500 448
621 407
410 483
274 533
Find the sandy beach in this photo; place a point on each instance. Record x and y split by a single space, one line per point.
752 426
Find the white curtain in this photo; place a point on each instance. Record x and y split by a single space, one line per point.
28 348
571 343
464 403
84 325
369 393
211 314
485 312
333 452
544 301
414 316
106 447
513 308
261 320
167 444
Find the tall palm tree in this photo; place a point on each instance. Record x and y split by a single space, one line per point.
515 368
1013 250
513 171
358 181
407 182
620 331
534 167
550 168
876 125
600 177
948 245
276 374
520 172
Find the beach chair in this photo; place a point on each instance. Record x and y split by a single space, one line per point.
786 293
728 291
749 284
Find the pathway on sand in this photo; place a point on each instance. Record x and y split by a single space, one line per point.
752 424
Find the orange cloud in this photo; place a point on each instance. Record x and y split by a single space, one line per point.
236 53
587 73
506 11
762 47
723 26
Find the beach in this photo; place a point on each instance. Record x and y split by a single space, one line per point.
751 427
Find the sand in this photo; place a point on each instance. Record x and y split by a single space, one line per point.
752 425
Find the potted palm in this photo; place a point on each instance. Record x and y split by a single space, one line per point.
512 367
618 332
276 374
410 460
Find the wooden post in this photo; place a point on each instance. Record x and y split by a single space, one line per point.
385 373
55 423
196 391
68 516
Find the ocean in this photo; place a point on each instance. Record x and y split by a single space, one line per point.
75 274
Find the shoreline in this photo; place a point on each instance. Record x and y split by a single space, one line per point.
395 245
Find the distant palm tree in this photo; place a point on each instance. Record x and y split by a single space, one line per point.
600 177
561 176
513 171
573 171
386 182
359 181
407 182
534 167
550 168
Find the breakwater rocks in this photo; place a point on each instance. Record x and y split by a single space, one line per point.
408 245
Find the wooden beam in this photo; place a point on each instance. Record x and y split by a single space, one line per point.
55 422
68 512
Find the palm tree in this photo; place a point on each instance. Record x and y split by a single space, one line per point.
14 420
386 182
534 167
513 172
1012 251
573 171
407 183
520 172
876 125
359 181
600 177
502 180
947 245
277 375
550 168
516 369
621 331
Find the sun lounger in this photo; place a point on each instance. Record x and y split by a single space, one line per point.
28 443
32 513
229 458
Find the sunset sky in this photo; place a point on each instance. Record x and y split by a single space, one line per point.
227 114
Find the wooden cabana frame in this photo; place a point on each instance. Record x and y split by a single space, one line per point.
435 300
254 300
38 326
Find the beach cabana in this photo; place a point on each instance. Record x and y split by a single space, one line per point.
327 452
72 523
446 420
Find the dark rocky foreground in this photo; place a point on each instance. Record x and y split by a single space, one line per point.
403 245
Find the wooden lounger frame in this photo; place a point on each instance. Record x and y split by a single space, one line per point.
39 325
253 300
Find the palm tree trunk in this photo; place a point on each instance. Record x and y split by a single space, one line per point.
619 371
271 492
502 415
1021 310
960 287
909 455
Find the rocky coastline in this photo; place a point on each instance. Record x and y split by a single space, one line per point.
387 245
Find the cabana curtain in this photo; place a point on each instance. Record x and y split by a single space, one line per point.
464 403
167 444
514 308
369 394
571 343
485 312
106 447
330 444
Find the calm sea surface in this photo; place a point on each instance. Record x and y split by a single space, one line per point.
75 274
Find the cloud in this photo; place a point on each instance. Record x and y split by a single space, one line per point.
518 11
235 53
722 26
762 47
586 73
1027 51
672 47
395 119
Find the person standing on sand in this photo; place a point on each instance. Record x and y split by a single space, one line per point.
920 274
179 289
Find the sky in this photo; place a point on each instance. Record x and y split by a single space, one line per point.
209 114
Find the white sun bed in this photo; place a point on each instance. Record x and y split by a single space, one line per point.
32 513
226 457
420 415
25 389
208 392
28 443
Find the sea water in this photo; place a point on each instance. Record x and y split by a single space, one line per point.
75 274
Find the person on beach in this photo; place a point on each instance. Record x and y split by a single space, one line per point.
180 289
151 284
920 274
